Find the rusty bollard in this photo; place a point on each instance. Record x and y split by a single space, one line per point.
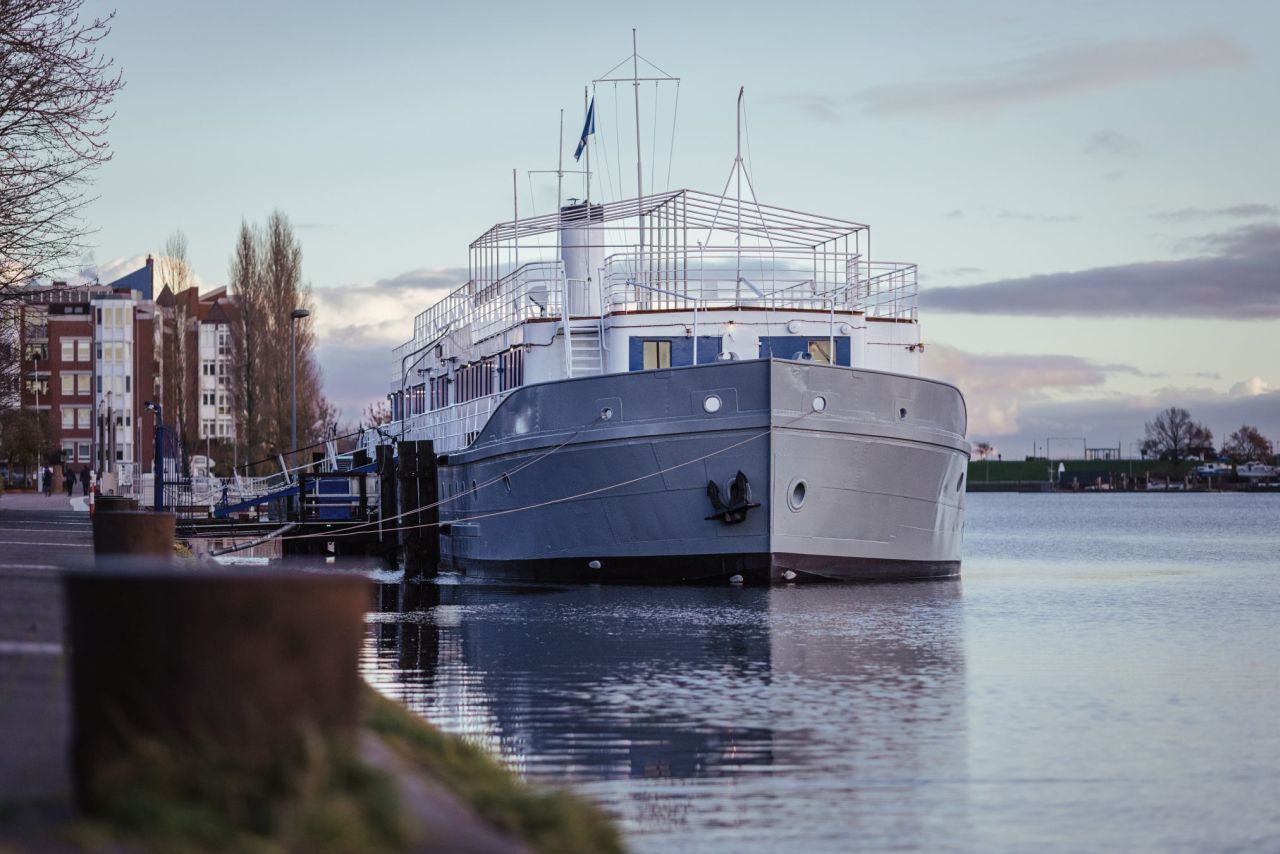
222 667
133 532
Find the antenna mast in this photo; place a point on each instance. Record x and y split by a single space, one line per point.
635 82
737 165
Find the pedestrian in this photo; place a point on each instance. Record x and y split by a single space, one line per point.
48 482
68 481
84 480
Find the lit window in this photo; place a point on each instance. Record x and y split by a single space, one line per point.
657 354
68 351
820 351
68 384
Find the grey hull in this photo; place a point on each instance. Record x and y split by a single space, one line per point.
853 475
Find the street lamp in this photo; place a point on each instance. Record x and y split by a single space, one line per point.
294 316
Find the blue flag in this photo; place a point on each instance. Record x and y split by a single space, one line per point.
588 128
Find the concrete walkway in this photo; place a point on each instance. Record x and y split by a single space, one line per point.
38 536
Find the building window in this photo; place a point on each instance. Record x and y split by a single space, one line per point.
84 384
68 418
68 451
128 384
68 385
82 452
99 315
84 417
68 351
83 351
657 354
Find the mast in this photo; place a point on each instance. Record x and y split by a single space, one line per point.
515 224
737 165
586 150
635 82
560 167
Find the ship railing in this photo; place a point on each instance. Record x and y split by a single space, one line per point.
531 292
887 290
451 427
714 278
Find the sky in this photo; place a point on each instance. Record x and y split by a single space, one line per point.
1089 189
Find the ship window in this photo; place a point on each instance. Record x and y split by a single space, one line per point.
820 351
657 354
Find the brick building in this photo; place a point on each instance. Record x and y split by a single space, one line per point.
93 356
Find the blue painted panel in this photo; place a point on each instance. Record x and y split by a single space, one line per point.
787 346
681 350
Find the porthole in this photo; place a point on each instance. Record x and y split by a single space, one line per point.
902 413
606 414
819 404
798 491
711 404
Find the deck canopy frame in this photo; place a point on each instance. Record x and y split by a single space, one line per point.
678 225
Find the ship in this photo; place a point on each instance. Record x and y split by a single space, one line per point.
683 387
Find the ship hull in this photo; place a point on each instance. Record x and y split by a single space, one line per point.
849 475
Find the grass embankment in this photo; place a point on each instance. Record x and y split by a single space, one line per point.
332 801
550 820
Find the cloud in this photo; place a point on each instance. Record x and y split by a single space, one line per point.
1103 421
1249 210
1240 282
1016 400
358 325
998 386
380 313
822 108
1057 74
1252 387
1020 216
1110 143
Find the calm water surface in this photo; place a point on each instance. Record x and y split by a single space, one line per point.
1106 675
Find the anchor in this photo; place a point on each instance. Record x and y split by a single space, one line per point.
739 500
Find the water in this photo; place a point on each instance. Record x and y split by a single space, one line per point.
1106 676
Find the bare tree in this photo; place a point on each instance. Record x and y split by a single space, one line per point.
10 355
56 91
266 275
179 375
376 414
247 337
1174 436
983 450
1247 444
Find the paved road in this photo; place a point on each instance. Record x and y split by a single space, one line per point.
38 536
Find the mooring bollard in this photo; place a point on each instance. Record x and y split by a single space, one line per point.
114 503
235 669
132 532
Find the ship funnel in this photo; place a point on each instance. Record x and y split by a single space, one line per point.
582 251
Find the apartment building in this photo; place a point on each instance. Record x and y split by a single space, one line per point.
93 356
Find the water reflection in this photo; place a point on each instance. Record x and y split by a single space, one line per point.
704 717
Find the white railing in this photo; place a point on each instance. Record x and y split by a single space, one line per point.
450 427
887 291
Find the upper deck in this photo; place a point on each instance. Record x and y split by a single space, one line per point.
679 251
